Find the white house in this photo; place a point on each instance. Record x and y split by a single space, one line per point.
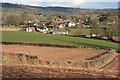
71 24
43 30
30 29
86 26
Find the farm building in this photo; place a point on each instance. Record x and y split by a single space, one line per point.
30 29
60 32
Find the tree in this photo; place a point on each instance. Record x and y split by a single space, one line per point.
13 20
103 17
105 27
109 31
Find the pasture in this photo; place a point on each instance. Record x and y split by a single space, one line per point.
14 36
80 31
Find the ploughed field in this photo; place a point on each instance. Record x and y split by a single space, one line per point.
47 62
52 54
30 37
22 71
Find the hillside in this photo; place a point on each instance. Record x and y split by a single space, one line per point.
9 8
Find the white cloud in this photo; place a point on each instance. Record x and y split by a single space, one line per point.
102 0
32 4
78 2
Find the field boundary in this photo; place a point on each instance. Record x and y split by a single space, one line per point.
50 45
95 38
97 56
38 44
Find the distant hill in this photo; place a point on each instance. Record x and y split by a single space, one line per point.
18 8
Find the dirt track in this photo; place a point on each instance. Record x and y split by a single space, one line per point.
112 65
10 29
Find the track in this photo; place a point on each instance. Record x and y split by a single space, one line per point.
113 65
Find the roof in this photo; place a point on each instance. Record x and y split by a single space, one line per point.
62 24
59 31
68 21
31 27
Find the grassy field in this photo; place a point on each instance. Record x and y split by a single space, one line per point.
12 36
80 31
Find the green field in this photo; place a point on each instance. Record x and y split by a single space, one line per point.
9 36
80 31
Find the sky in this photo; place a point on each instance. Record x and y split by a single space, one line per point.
68 3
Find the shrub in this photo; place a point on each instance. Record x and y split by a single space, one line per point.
102 61
21 54
26 55
47 62
35 57
69 62
31 56
86 64
91 63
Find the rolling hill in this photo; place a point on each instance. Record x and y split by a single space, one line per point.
19 8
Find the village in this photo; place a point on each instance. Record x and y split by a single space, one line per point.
57 26
64 26
83 25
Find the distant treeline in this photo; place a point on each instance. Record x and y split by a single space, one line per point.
55 9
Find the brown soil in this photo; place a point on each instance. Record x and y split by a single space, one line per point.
53 72
52 54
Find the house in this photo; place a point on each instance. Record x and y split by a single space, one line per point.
67 21
94 35
36 24
71 24
86 26
91 35
39 15
59 32
61 26
42 29
30 29
51 24
29 21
